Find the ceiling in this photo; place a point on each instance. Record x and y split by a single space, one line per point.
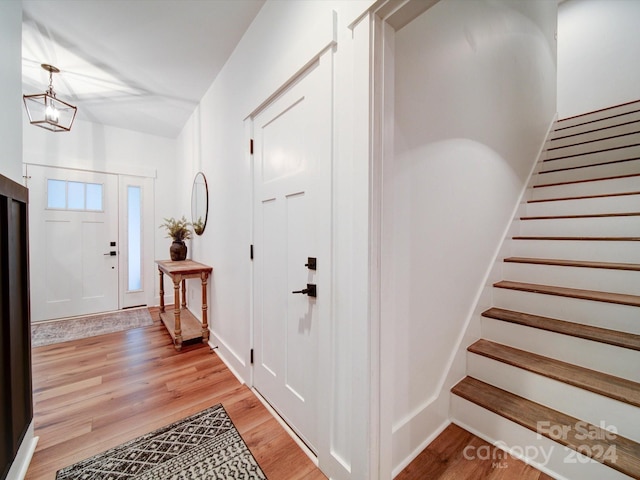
142 65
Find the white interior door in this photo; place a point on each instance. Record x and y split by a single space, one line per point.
292 213
73 221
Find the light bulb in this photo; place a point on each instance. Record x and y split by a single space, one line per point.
51 114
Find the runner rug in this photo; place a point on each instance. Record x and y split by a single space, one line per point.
203 446
56 331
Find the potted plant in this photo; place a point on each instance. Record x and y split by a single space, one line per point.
179 231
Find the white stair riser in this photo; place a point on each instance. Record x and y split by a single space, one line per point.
585 206
603 126
599 279
625 226
599 187
584 148
553 171
599 116
621 362
589 250
552 162
578 135
576 402
613 316
563 463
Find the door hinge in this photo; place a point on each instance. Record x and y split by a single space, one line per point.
251 146
251 359
251 252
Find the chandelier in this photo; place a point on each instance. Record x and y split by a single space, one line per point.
47 111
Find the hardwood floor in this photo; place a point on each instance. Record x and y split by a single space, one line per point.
93 394
459 455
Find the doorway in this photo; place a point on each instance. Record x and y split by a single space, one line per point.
88 250
292 264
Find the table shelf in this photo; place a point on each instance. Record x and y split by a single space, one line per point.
191 326
181 323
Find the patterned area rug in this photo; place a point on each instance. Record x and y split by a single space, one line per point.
56 331
203 446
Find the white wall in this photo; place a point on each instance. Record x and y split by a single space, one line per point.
598 51
101 148
11 87
283 38
475 92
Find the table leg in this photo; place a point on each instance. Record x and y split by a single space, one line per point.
161 291
205 324
176 314
184 293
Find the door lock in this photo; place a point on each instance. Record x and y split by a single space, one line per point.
311 263
310 290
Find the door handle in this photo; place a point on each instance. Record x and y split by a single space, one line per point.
112 253
310 290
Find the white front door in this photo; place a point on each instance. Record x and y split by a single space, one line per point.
73 242
292 218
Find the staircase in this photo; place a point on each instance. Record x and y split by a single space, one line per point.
556 374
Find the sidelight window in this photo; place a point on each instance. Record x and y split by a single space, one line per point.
134 240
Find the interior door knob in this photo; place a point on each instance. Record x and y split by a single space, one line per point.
310 290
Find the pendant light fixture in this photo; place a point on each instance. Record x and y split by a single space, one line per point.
47 111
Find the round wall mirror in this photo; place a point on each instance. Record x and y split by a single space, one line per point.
199 203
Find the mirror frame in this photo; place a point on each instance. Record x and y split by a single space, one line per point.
206 203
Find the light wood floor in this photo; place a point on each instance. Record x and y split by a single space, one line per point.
459 455
93 394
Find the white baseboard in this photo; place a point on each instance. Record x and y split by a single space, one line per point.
23 458
228 364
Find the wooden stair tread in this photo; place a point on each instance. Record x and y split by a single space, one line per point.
528 414
574 263
607 297
604 384
594 239
587 332
588 215
584 197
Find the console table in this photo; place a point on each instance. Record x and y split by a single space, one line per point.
180 322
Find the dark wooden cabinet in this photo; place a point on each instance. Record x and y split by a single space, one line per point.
16 403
